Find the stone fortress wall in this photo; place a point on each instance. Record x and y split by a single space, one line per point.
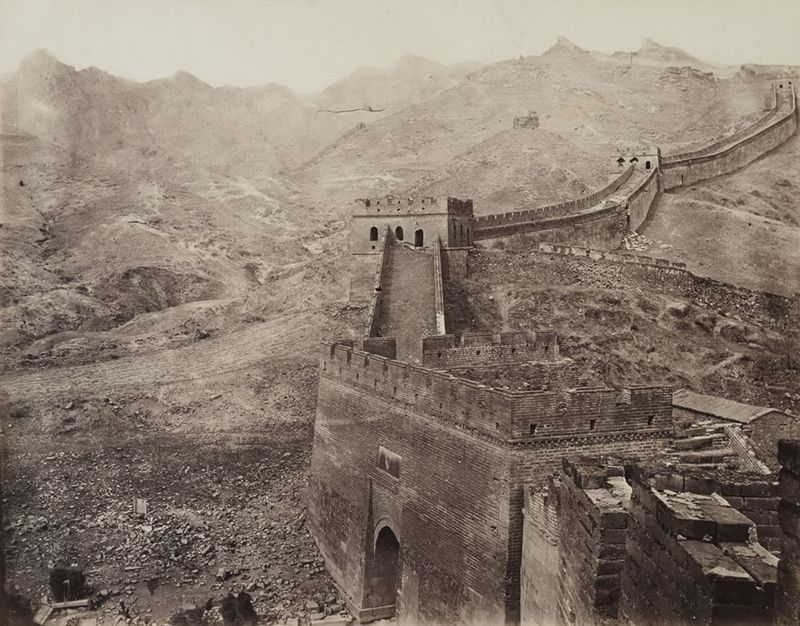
463 452
603 218
624 542
424 457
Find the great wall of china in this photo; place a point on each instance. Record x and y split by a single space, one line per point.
437 498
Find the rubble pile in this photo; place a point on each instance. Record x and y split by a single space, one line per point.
216 522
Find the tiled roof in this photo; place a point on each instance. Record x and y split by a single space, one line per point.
717 407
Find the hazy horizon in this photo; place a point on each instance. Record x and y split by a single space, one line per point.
307 45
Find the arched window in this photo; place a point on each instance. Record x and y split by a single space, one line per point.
647 165
461 232
419 238
373 233
398 232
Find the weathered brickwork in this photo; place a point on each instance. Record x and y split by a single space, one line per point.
482 350
417 221
746 150
484 223
690 557
762 122
540 558
788 600
466 453
594 519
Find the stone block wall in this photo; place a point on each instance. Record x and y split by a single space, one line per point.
561 209
716 146
641 199
540 557
448 506
694 169
604 228
788 599
486 350
593 518
689 557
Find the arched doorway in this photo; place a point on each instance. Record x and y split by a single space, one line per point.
398 232
419 238
373 233
382 577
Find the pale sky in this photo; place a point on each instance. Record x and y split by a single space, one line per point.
308 44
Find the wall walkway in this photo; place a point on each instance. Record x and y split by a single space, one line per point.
408 300
602 219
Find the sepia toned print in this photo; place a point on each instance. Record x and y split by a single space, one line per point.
469 313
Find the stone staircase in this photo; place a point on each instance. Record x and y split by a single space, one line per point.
408 302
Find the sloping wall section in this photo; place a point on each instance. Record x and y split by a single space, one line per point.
603 218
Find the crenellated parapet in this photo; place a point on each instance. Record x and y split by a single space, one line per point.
422 205
489 349
516 417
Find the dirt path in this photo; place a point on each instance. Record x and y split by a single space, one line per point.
205 359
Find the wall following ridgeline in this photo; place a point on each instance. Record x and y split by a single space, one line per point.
745 151
762 122
484 223
604 227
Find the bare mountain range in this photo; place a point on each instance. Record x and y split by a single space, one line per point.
208 207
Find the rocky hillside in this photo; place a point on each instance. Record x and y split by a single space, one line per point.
589 106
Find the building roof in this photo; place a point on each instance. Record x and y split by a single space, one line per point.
721 408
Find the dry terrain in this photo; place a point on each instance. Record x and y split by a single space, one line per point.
173 253
743 228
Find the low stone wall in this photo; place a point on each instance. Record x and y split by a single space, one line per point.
614 257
